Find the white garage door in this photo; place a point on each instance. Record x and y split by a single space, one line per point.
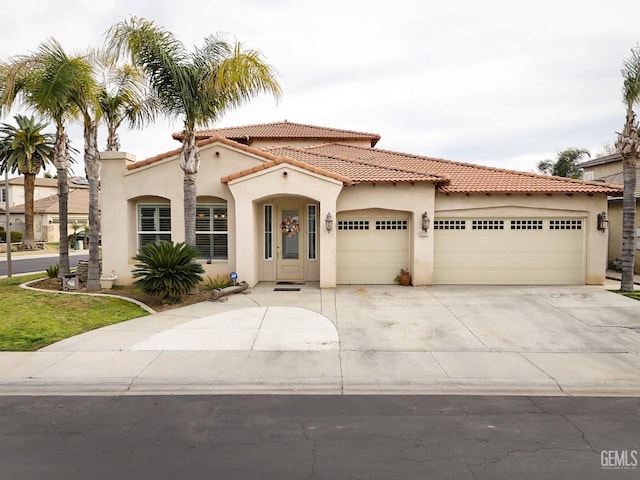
502 251
373 245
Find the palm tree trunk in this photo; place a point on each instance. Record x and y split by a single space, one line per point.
628 223
93 167
627 145
190 162
29 186
113 142
61 161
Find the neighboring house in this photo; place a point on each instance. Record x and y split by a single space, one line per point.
609 169
306 203
45 206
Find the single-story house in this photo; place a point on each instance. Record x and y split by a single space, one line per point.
45 206
292 202
609 169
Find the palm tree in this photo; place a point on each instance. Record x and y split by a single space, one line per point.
26 149
628 145
123 97
45 81
197 87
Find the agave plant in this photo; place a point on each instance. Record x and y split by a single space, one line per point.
167 270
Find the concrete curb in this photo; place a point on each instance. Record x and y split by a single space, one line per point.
144 306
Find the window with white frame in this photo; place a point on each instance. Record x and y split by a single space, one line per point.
154 223
268 232
3 195
311 231
588 176
211 231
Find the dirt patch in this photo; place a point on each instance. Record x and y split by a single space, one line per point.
129 291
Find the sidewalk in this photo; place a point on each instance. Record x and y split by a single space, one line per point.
355 340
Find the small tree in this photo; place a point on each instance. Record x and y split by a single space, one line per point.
167 270
565 165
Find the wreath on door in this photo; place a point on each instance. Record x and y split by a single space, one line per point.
290 227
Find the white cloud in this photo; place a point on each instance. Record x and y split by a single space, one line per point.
496 82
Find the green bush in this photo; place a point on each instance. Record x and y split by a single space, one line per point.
53 270
220 281
167 270
16 237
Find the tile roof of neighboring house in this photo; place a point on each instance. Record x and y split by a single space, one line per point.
465 177
618 179
78 203
74 182
284 129
614 157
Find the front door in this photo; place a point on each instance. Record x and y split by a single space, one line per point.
289 259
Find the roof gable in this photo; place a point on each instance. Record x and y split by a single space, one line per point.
614 157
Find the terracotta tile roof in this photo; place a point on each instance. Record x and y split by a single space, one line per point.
74 182
286 129
466 177
271 160
357 170
78 203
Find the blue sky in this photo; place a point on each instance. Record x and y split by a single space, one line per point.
498 83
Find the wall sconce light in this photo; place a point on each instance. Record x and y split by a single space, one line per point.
426 222
329 222
602 221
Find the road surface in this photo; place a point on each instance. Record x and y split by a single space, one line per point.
27 264
318 437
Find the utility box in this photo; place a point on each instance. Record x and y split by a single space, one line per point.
70 282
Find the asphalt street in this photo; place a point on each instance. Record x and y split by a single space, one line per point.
319 437
38 264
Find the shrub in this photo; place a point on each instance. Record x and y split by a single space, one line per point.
16 237
167 270
220 281
53 270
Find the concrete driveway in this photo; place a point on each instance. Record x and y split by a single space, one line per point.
507 340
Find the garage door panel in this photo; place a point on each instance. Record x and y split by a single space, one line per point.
372 255
535 256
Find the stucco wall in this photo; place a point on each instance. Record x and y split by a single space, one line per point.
615 233
251 192
540 205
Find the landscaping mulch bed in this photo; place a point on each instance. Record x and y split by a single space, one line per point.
129 291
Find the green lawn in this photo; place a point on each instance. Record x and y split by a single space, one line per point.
634 295
31 320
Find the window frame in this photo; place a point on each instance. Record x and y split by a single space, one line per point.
312 233
267 232
156 219
212 232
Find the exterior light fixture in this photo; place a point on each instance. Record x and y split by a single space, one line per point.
426 222
329 222
602 221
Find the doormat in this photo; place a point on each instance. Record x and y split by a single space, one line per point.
286 289
289 283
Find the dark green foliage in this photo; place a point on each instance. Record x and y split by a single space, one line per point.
566 165
167 270
220 281
53 270
16 237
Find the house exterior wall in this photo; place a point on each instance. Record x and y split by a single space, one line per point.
251 192
558 205
414 199
615 233
604 170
